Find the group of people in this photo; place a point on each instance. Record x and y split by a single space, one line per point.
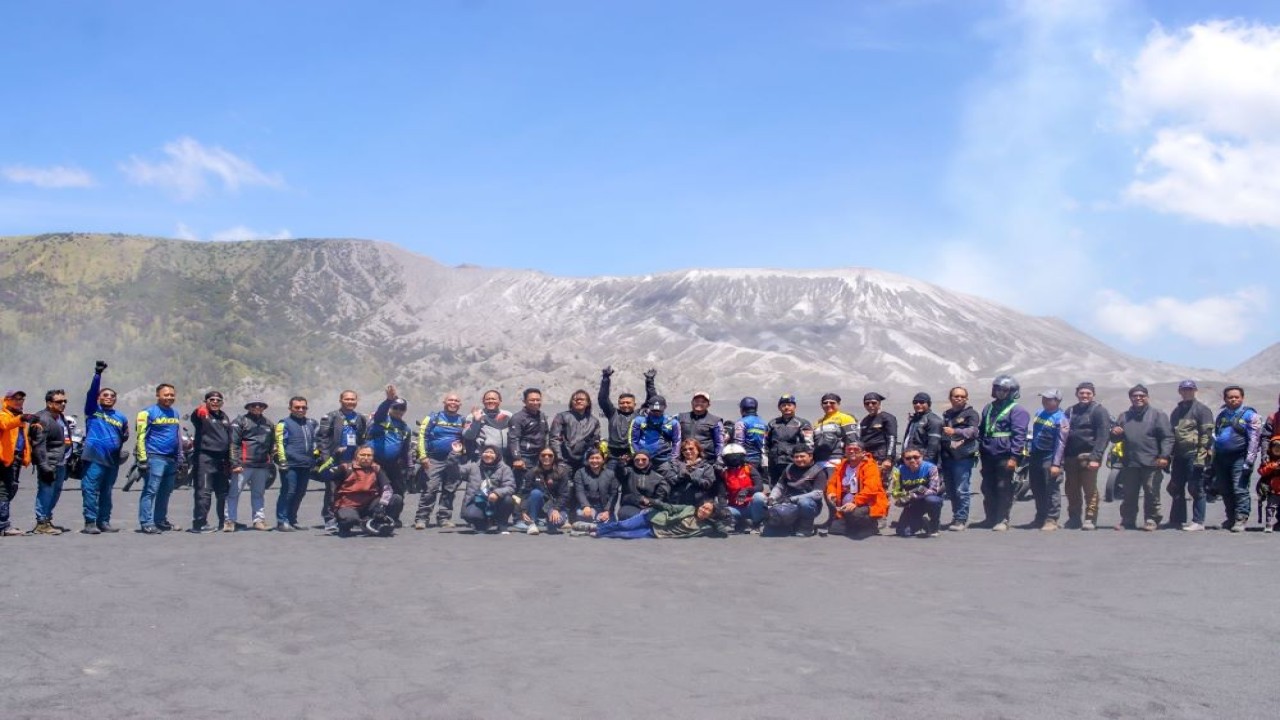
642 471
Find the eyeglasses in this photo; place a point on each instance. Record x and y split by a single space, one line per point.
298 407
214 400
59 402
911 457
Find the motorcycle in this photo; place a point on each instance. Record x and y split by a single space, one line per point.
181 478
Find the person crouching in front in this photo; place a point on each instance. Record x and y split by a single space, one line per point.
364 496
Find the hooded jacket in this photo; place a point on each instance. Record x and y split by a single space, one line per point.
860 484
652 483
681 521
12 428
490 429
797 483
482 479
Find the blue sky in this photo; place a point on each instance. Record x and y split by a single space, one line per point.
1116 164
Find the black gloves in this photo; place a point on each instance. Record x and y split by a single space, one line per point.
30 419
607 372
650 374
99 366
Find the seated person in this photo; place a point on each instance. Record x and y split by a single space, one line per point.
693 478
796 499
664 520
917 489
596 491
547 489
642 483
857 493
364 495
741 488
490 488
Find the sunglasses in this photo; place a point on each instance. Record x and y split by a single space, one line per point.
59 402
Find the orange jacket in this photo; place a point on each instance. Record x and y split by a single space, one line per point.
870 488
10 425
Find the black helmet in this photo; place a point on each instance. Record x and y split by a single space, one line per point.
1006 382
748 403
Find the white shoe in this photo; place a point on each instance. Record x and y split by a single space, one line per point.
1192 527
533 530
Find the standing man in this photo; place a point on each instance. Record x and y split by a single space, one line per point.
879 432
1193 425
699 424
105 433
436 435
619 418
1002 436
15 453
391 439
297 455
50 449
1236 443
833 432
960 426
573 432
783 434
1148 440
157 455
252 442
212 468
1086 446
342 432
656 434
750 432
1049 433
924 429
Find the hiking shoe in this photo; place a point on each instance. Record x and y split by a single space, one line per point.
584 526
958 526
228 526
259 525
532 530
1149 526
168 527
203 530
284 527
1192 527
90 529
1266 528
446 523
521 526
1072 524
11 532
419 524
46 528
1227 524
106 528
1049 526
149 530
1238 527
1088 525
1000 526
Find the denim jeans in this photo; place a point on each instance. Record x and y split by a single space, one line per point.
293 487
806 510
1233 484
256 480
634 527
95 491
1186 477
153 504
920 514
955 477
47 494
752 512
536 501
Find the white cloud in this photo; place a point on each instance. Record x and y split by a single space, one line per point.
184 232
56 176
1211 92
1209 321
190 165
240 232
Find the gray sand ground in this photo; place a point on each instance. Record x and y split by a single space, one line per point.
433 625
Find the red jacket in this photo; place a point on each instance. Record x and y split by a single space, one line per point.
362 486
738 479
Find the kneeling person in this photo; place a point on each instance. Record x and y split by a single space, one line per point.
365 496
490 489
917 489
856 491
796 499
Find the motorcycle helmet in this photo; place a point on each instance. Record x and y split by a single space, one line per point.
1006 382
381 526
734 455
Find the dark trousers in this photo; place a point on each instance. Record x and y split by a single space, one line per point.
920 514
212 477
859 523
350 517
1232 483
481 514
1046 490
8 490
1144 480
997 489
442 486
293 487
775 471
398 474
1186 477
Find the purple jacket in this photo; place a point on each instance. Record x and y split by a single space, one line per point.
1002 433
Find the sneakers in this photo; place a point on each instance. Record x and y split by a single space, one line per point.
1266 528
1000 526
149 530
284 527
90 529
259 525
11 532
228 526
203 530
168 527
958 526
933 534
1088 525
1227 524
1238 527
106 528
584 526
1049 526
532 530
46 528
1149 526
446 523
1124 526
521 526
1072 523
1192 527
419 524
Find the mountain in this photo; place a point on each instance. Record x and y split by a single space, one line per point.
315 316
1263 367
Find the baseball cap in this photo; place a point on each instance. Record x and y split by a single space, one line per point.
787 399
15 393
702 394
399 404
658 403
260 403
1051 394
1188 385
